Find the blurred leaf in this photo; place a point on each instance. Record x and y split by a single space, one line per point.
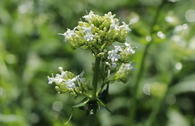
176 119
186 85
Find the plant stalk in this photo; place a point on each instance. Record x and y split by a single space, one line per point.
142 64
96 76
92 120
158 106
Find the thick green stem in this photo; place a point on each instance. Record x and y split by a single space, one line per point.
142 67
96 76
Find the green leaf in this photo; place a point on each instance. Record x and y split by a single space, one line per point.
104 105
187 85
176 119
82 103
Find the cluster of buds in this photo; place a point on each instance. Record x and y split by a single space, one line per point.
120 53
118 60
68 82
97 31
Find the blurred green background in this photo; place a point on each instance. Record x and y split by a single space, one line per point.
31 49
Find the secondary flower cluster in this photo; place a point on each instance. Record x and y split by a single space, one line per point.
121 53
67 82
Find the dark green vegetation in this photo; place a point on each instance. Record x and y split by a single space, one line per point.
160 91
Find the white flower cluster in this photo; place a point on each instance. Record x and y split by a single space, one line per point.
96 30
89 16
126 67
65 79
59 78
115 55
115 23
129 49
123 71
88 33
69 34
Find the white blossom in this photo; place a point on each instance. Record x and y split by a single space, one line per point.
62 79
125 27
68 34
114 21
59 78
71 82
89 16
115 24
114 55
89 37
127 67
88 32
117 53
110 15
129 49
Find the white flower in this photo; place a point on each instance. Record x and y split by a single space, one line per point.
89 37
129 49
88 33
68 34
127 67
50 80
86 29
115 24
114 21
59 78
71 83
62 79
110 15
125 27
117 53
89 16
114 55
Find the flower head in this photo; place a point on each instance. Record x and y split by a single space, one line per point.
66 81
97 30
123 71
120 53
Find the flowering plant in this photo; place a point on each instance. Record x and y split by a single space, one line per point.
106 38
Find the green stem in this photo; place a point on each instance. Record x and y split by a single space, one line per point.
92 120
142 63
136 85
158 106
96 76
